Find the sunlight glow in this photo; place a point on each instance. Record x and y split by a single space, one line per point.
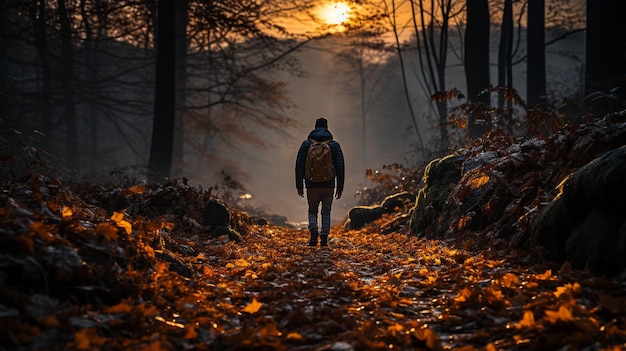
334 13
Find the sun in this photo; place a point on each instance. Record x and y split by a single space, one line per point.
334 13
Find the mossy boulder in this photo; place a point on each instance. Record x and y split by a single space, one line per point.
585 223
440 176
359 216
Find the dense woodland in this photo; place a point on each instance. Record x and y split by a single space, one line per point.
507 233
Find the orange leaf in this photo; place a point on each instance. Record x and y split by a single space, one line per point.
463 295
563 314
476 183
567 288
527 321
509 280
242 263
107 230
253 306
395 329
126 225
547 275
137 189
294 336
66 213
117 216
464 221
428 337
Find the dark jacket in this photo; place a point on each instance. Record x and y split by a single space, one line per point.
320 134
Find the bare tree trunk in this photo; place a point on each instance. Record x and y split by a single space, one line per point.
67 83
504 49
536 76
477 62
404 77
39 15
363 111
161 148
182 18
432 43
605 62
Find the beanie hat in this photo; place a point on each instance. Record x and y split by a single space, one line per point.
321 123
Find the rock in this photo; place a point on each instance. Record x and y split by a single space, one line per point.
359 216
215 213
261 221
585 223
398 200
439 176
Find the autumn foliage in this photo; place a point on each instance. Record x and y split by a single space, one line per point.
129 267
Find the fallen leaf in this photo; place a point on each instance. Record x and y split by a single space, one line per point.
253 307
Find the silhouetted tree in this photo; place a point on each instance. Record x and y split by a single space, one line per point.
536 74
162 142
182 21
606 47
431 23
505 51
391 12
39 15
477 62
67 81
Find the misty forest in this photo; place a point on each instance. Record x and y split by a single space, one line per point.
148 198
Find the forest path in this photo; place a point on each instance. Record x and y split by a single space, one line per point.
369 291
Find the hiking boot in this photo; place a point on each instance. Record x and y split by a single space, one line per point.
324 240
313 239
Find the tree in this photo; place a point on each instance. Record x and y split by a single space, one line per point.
536 74
477 61
391 12
360 59
67 81
39 17
505 52
162 142
431 25
605 61
182 21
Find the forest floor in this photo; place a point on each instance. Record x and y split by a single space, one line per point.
75 278
128 266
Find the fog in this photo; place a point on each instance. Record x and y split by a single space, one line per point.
329 92
270 175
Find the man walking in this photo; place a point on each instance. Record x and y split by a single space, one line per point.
320 192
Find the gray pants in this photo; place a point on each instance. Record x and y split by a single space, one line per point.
315 196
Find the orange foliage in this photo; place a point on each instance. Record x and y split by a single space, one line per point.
108 286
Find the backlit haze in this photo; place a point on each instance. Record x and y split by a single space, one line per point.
330 92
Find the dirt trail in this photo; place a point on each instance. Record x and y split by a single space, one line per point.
370 291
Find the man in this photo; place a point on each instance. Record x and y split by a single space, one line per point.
320 192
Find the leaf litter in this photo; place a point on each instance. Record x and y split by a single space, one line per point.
95 267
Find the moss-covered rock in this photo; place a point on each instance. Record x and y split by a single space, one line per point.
359 216
585 223
439 177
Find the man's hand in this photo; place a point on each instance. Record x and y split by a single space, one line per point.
338 195
301 192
